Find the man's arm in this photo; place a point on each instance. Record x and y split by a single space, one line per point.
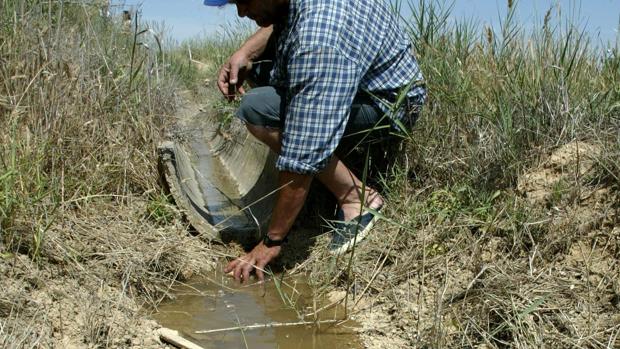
289 203
290 200
233 71
255 45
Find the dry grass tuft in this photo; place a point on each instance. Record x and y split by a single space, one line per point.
87 245
501 272
100 270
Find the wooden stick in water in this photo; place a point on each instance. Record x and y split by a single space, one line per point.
268 325
173 337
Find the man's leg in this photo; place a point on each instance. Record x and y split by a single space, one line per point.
340 181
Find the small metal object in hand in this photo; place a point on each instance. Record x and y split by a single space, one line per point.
232 90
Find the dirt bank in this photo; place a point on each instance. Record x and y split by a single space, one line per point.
542 271
104 266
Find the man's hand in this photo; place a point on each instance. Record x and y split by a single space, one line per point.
233 73
257 259
294 189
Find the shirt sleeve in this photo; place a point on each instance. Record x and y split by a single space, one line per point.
322 83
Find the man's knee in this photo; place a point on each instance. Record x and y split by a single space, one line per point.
269 136
260 132
260 107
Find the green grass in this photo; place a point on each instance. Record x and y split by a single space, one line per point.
160 209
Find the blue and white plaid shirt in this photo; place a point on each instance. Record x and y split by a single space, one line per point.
327 51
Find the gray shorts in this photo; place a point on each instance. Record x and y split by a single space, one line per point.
262 106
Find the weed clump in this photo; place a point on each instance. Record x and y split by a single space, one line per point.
84 241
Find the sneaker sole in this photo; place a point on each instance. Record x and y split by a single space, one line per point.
360 236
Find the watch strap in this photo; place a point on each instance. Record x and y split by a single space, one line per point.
267 241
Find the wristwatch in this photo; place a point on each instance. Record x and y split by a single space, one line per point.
271 243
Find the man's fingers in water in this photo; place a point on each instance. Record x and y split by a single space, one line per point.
239 268
259 271
231 266
245 274
247 268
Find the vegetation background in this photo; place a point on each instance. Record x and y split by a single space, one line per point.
502 229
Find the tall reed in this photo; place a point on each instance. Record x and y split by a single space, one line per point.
499 94
82 104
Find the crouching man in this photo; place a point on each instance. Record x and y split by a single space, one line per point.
338 70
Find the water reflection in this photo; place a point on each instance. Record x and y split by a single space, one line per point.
217 302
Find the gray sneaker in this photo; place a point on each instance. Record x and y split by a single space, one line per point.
345 234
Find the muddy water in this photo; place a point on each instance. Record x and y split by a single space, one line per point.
217 302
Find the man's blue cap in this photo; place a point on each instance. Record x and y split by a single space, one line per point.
216 2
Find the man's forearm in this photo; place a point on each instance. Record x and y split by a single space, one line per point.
256 44
290 200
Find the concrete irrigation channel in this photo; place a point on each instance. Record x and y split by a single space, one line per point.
226 183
